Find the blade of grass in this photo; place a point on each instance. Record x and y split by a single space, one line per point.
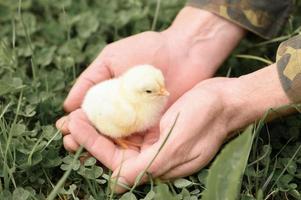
29 43
115 180
29 159
6 167
156 15
274 40
49 181
5 109
297 107
13 33
285 145
140 176
268 180
229 72
250 57
51 139
92 188
259 159
7 56
286 166
63 179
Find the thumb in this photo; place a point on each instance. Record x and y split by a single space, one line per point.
125 175
98 71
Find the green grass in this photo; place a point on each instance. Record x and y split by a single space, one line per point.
45 44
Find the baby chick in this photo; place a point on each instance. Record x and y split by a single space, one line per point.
127 104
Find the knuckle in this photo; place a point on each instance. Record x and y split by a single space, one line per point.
75 115
182 153
107 51
154 168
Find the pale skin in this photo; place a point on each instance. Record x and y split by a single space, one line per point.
211 109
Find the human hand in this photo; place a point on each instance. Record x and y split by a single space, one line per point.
186 149
222 105
189 51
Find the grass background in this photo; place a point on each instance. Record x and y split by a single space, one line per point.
45 44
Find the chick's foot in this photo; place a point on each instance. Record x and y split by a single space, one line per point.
125 144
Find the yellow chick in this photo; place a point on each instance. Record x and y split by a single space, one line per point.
127 104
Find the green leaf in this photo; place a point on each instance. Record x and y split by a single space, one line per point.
101 181
162 192
18 129
90 173
7 87
225 174
90 161
20 194
45 56
87 25
149 195
61 3
247 197
284 182
182 183
185 194
5 13
52 158
27 24
69 160
49 131
295 194
128 196
5 194
202 175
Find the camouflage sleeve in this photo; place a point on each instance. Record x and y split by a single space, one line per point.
289 67
263 17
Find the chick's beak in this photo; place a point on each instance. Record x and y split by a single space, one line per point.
163 92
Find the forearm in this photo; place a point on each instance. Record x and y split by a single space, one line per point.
193 24
206 36
251 96
264 18
271 87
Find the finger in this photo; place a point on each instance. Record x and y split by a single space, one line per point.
62 125
151 137
209 149
150 160
70 144
102 148
185 169
98 71
129 170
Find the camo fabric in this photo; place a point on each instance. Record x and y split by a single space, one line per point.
263 17
289 67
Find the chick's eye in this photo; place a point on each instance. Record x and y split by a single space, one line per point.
148 91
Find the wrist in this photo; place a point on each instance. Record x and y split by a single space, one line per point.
192 23
250 96
204 35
